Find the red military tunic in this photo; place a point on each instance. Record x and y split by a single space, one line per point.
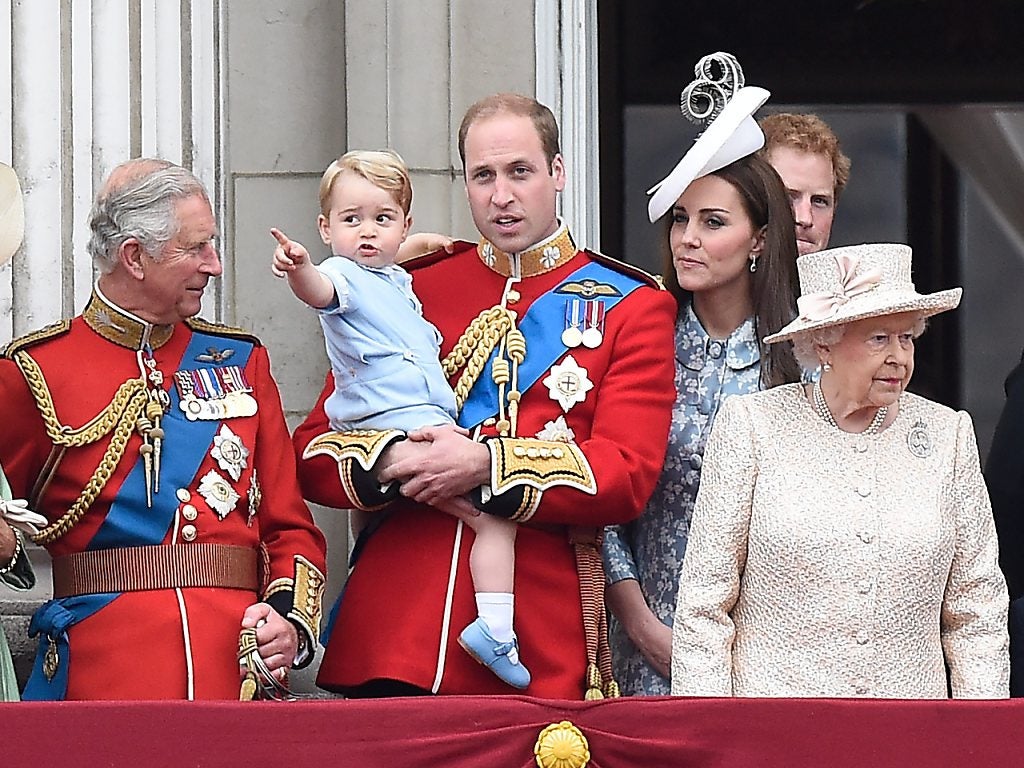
171 642
404 604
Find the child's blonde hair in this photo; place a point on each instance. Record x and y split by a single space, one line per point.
382 168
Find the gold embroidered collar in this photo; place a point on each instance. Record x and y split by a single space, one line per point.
543 257
122 327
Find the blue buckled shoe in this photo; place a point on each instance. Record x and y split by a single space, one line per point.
501 658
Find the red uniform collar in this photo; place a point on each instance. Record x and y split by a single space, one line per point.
543 257
120 326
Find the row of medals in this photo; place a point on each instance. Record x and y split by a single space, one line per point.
214 394
584 323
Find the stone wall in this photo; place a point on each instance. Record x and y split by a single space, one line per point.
301 83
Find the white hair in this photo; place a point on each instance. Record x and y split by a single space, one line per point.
805 345
141 207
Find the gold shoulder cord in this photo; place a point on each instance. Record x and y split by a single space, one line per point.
219 329
491 328
119 417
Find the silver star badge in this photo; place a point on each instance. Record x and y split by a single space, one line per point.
230 452
218 493
567 383
557 431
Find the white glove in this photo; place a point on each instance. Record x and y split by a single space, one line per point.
18 515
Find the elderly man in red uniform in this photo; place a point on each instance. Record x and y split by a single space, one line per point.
561 361
152 442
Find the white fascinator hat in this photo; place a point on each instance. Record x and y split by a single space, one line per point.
12 213
719 101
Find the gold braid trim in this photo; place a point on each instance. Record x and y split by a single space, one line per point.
219 329
362 445
358 445
95 428
529 504
474 347
120 417
306 599
539 464
48 332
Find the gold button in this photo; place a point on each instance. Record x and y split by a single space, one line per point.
188 533
513 297
183 495
189 512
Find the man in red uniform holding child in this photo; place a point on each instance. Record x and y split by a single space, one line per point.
562 363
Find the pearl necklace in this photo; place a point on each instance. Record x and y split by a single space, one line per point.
823 410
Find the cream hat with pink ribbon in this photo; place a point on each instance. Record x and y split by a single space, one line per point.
12 213
842 285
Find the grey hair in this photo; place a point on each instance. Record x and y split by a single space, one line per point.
805 345
138 201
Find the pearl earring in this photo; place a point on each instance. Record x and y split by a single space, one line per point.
826 366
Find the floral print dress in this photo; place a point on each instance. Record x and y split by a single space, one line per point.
650 549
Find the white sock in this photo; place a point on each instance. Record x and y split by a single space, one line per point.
496 609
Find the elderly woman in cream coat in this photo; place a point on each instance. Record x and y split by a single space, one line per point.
842 542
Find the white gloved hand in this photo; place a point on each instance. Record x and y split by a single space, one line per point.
18 515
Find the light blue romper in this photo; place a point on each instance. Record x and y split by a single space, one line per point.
383 353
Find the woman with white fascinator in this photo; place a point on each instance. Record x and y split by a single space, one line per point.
15 518
842 542
730 263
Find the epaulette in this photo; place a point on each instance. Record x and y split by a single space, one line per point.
219 329
627 269
426 259
46 333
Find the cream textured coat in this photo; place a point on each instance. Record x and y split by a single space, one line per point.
823 563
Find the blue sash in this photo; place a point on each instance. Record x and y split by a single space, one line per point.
541 325
124 526
51 622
